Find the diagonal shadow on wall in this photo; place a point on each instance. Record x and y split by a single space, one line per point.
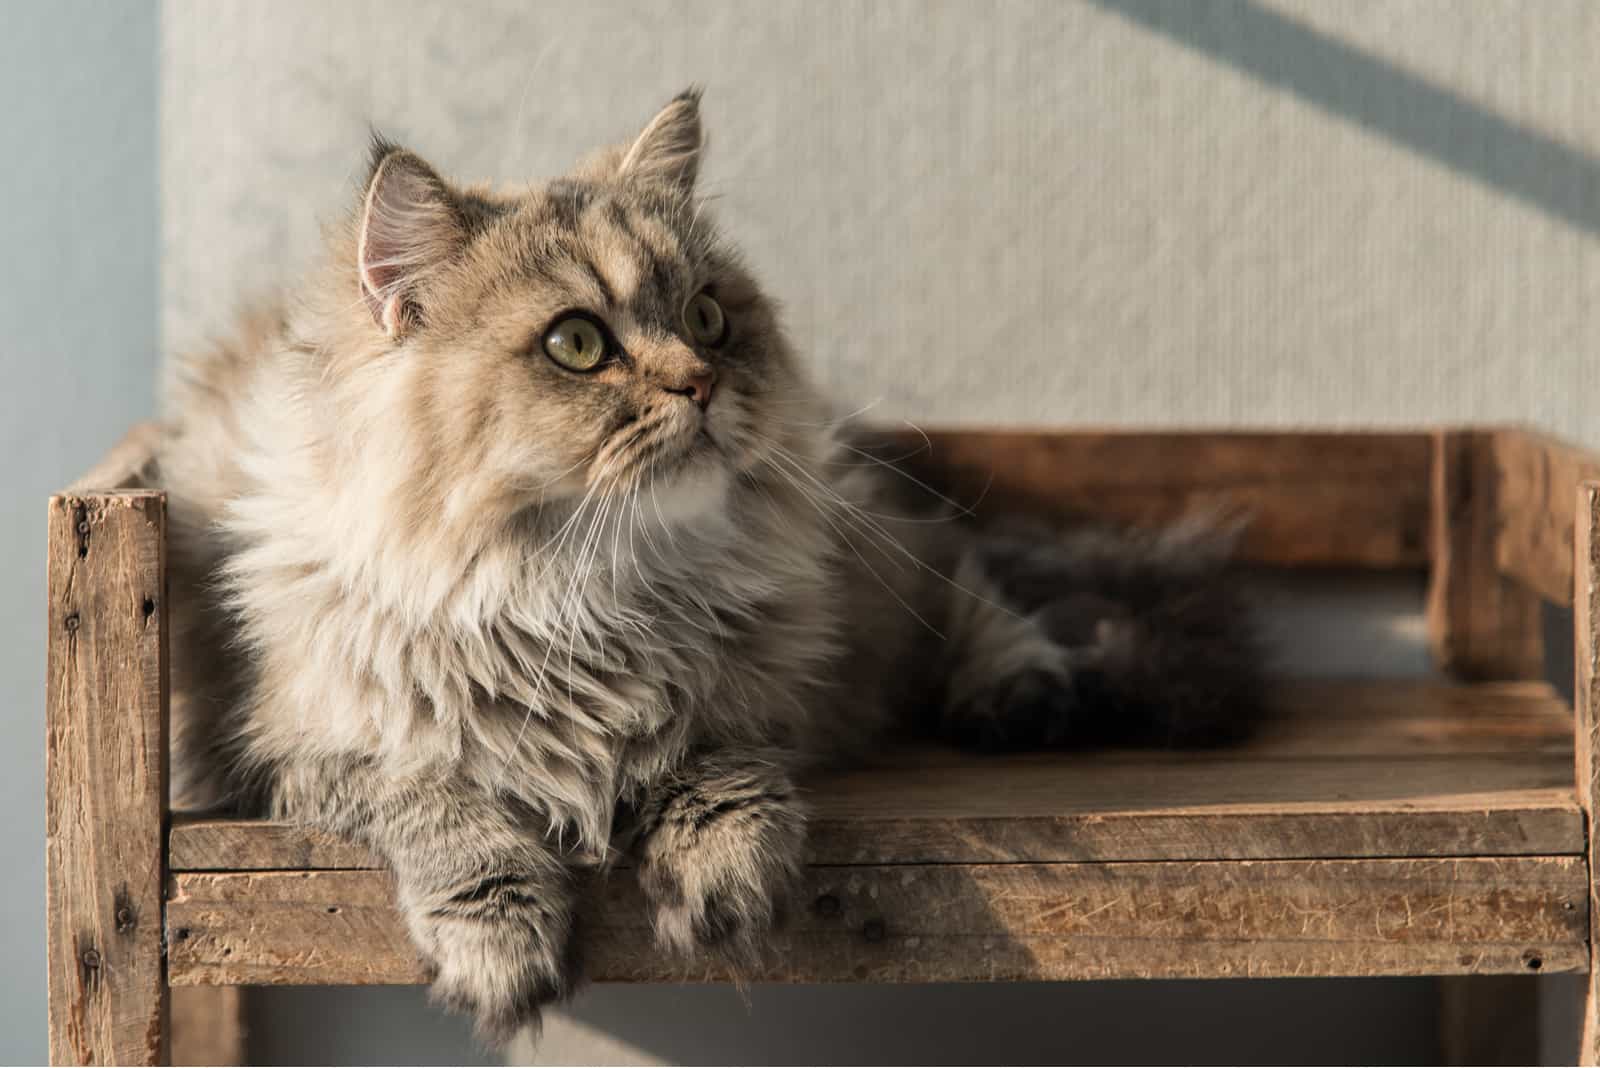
1532 167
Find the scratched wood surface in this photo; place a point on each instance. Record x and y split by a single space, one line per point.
105 776
938 923
1345 770
1586 657
1320 499
1481 624
1538 476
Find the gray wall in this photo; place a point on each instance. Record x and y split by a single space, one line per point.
78 344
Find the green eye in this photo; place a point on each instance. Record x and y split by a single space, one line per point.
703 316
575 343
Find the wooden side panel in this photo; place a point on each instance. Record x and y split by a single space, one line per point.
1322 499
1537 476
938 923
1481 625
1586 656
106 783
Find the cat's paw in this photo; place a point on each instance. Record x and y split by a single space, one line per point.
497 952
719 860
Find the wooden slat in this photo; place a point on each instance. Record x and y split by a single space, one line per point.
945 923
1324 499
106 784
1346 770
1586 657
1481 624
126 465
1538 476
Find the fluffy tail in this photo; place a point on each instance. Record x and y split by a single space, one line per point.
1100 638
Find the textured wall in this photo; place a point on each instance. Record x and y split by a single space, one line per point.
1066 211
1106 211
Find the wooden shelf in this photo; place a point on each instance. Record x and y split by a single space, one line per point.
1392 828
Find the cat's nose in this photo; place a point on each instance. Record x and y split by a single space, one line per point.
697 387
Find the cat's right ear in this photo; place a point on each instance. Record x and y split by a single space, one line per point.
410 227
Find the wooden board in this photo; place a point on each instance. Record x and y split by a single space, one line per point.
1481 624
1586 658
1355 769
1323 499
1538 476
105 774
950 923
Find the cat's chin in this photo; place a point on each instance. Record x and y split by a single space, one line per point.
696 491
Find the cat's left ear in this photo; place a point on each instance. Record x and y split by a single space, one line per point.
668 150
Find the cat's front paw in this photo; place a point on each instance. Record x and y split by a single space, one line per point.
497 952
719 860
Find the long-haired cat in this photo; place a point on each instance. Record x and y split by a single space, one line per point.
518 540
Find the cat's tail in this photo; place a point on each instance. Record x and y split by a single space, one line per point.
1100 637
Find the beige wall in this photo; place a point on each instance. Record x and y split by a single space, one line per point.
1100 211
1068 211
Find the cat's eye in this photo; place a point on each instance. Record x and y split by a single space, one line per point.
703 316
576 343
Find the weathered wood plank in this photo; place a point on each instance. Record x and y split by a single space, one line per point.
1586 658
1347 770
1074 810
208 1025
939 923
1353 499
1538 476
1481 625
126 465
106 782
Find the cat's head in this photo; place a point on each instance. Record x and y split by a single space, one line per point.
590 333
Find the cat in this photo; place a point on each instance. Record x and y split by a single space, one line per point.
518 540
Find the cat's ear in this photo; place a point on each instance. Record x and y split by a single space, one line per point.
410 227
668 150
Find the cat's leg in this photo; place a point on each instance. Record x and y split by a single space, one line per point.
487 899
719 846
1099 638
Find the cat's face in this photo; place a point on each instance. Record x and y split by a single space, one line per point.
590 336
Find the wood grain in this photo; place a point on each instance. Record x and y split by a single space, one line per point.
1538 476
1319 499
1353 769
1586 658
946 923
106 783
1481 624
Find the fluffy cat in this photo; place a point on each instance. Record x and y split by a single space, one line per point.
518 540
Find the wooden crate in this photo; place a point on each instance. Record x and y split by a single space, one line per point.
1373 828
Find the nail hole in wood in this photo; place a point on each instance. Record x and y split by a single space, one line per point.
181 934
125 919
71 622
1533 962
333 910
148 608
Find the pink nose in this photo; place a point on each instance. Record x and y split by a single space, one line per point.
698 387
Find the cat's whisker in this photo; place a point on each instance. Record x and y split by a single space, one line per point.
850 544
